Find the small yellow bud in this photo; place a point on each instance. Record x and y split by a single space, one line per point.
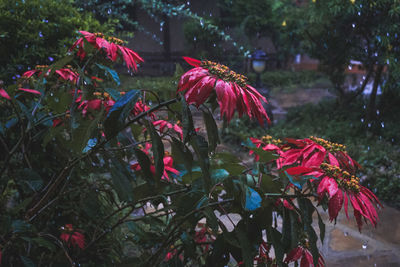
284 23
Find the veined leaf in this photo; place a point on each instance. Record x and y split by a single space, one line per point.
158 150
212 130
113 73
119 112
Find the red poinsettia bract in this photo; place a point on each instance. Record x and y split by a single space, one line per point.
340 187
305 257
111 45
267 143
233 92
65 74
72 237
164 125
4 94
311 152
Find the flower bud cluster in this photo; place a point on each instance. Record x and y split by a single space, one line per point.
269 140
224 73
343 178
110 39
330 146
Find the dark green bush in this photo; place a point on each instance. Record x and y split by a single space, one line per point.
38 32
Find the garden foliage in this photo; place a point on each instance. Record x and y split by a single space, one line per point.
96 175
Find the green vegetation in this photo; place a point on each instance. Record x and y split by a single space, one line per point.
38 32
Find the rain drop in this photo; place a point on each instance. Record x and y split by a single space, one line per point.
346 233
201 22
353 25
369 125
382 124
364 246
40 34
214 45
362 120
387 61
51 59
377 112
350 67
109 11
359 13
194 38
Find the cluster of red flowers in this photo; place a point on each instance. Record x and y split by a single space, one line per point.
233 93
66 74
304 255
72 237
332 171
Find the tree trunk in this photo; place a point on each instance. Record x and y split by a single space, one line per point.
371 111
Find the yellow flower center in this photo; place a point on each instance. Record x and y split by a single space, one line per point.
110 39
343 178
224 73
269 140
330 146
41 67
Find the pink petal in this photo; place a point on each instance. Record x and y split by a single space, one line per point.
4 94
193 62
30 91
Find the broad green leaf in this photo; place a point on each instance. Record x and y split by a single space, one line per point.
181 154
158 150
321 225
212 130
119 112
27 262
187 121
121 182
113 73
219 175
200 147
253 199
20 226
145 164
113 93
265 156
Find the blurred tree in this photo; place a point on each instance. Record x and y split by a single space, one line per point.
366 31
277 20
31 31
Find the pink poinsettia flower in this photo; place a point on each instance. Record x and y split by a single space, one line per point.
311 152
72 237
305 257
233 92
340 187
4 94
141 107
164 125
263 255
111 45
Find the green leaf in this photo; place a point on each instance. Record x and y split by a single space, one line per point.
286 229
187 121
219 175
307 209
321 225
27 261
265 156
145 164
41 242
113 93
181 154
253 199
212 130
200 147
275 236
121 182
59 64
119 112
113 73
20 226
158 150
